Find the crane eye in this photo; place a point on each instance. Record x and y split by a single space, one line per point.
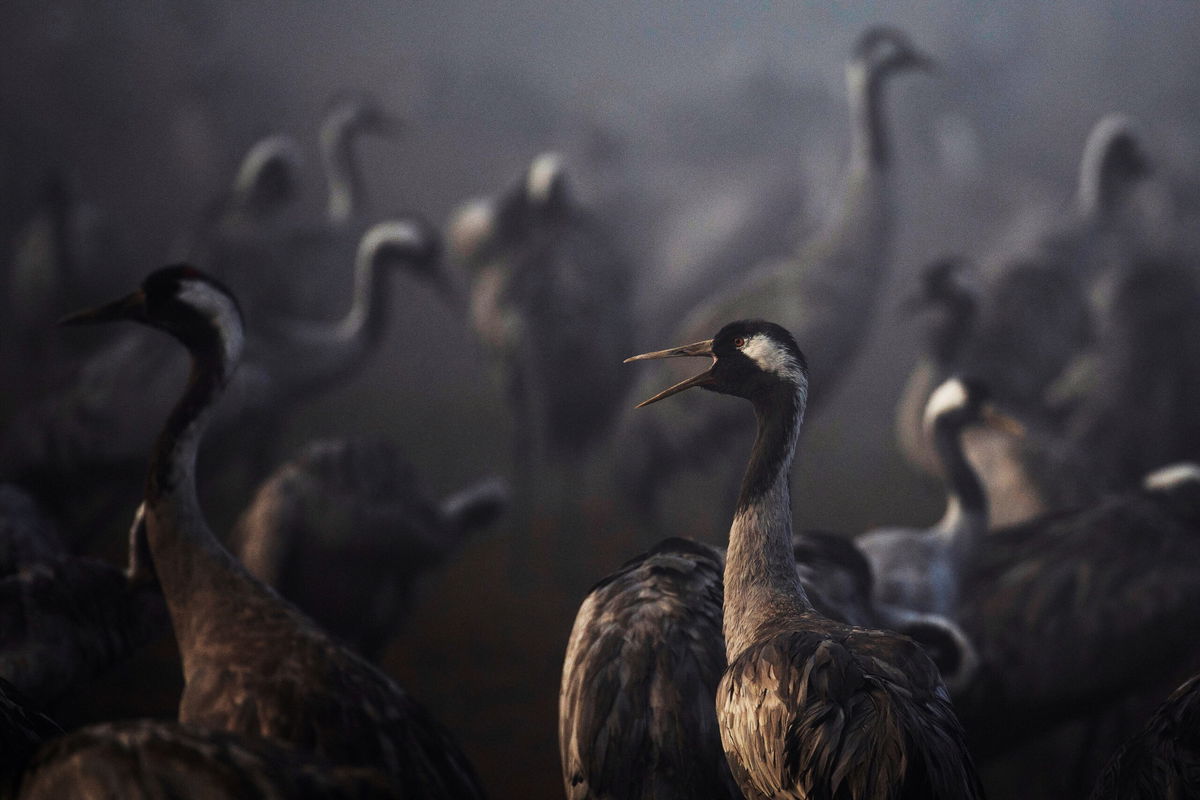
739 342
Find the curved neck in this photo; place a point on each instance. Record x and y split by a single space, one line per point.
366 321
870 147
173 462
761 584
966 504
1101 193
187 557
341 172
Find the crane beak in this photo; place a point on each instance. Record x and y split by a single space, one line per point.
132 306
994 418
697 349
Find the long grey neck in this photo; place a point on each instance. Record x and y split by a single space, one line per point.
341 171
966 516
366 322
1102 194
187 557
761 585
870 146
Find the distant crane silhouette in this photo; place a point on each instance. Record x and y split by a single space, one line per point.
346 529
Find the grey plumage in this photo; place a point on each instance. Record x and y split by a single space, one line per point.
64 619
253 664
1127 402
919 568
1075 609
646 652
636 717
1163 759
96 418
550 295
1026 327
826 292
22 731
239 235
156 760
346 529
257 239
810 708
348 119
159 760
27 534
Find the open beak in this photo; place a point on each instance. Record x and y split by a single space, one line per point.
696 349
132 306
994 418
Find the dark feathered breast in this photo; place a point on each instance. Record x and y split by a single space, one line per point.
286 680
65 621
26 534
22 731
842 714
636 715
152 760
1162 760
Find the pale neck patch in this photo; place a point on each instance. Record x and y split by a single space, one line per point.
397 233
950 396
471 229
857 75
544 176
773 358
1171 476
274 149
221 310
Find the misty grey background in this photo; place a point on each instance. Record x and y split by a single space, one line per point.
149 106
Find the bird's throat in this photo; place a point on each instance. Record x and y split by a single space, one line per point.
761 584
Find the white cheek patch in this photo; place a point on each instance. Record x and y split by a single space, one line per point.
544 174
1171 476
472 227
772 358
950 396
220 309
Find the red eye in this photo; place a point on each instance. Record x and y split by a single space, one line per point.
739 342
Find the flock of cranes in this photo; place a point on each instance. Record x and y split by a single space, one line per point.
1054 398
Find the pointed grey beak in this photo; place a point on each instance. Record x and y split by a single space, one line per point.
695 349
132 307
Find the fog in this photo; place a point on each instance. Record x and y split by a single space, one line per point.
147 107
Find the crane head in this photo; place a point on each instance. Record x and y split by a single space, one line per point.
749 358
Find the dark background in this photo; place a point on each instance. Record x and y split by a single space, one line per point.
149 105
